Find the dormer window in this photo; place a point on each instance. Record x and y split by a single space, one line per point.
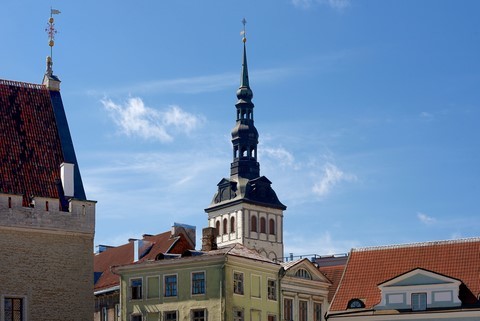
419 301
303 274
356 304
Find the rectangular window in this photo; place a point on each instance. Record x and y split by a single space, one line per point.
117 312
272 289
153 287
199 315
170 316
104 314
238 283
13 309
198 283
288 309
238 315
419 301
272 317
136 317
302 310
136 289
170 285
317 312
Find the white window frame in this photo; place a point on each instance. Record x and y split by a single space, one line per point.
204 283
171 311
130 288
274 292
205 314
165 285
235 283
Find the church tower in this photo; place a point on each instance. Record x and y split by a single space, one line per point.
245 209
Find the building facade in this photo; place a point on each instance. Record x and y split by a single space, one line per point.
46 222
231 283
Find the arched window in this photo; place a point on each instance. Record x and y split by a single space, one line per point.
217 226
225 225
232 224
304 274
253 224
263 227
271 226
244 152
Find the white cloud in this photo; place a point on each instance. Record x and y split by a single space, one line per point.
424 218
332 176
280 155
198 84
334 4
136 119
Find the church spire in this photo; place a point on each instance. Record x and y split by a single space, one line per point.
244 134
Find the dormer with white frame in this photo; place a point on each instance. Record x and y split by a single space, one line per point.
419 290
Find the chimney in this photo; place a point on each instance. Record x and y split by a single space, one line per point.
66 174
209 239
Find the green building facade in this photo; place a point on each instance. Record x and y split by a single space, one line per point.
233 283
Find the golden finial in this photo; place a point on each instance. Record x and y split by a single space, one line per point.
243 32
51 31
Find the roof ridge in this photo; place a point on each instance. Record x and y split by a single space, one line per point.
21 84
417 244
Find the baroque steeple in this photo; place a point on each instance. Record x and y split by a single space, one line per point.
245 209
244 134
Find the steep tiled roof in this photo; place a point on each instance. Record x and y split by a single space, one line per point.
31 139
124 254
30 150
368 267
334 275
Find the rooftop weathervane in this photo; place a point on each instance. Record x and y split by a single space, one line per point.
51 31
243 32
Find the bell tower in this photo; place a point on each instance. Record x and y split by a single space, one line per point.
245 209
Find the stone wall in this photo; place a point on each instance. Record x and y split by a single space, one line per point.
46 258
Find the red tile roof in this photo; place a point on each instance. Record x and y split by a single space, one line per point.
30 147
368 267
334 275
124 254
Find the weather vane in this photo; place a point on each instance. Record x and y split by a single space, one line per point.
243 32
51 31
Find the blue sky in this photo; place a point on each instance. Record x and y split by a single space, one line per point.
367 111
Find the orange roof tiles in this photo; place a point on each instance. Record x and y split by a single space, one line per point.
368 267
334 275
30 147
124 254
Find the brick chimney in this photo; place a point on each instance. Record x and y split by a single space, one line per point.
209 239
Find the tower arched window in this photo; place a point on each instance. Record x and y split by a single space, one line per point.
263 227
225 226
271 226
244 152
253 152
217 226
232 224
253 224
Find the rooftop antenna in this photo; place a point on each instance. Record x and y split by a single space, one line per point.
51 31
